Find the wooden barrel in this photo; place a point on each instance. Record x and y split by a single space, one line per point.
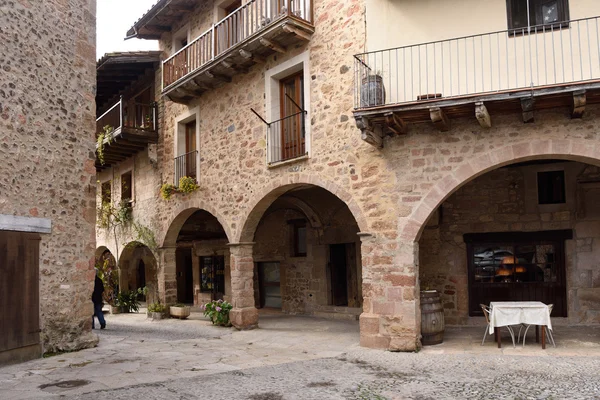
432 318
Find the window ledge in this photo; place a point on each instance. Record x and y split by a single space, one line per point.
286 162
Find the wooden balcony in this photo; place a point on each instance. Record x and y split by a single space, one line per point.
129 128
546 66
245 37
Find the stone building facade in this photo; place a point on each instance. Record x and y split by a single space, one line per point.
342 228
47 185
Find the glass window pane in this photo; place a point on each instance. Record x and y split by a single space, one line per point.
493 263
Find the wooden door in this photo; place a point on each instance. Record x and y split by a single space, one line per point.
338 269
19 297
292 124
190 149
270 284
184 275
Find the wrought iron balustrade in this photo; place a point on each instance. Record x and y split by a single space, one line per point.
531 57
185 165
286 138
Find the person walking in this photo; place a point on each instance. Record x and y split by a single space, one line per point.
97 299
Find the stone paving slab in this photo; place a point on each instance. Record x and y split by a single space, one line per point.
302 358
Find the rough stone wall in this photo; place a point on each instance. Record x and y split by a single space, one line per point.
390 192
47 122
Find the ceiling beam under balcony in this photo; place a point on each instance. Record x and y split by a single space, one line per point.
298 32
482 114
370 133
579 102
395 124
251 57
439 119
217 77
527 109
272 45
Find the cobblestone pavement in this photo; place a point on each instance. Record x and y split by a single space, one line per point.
302 358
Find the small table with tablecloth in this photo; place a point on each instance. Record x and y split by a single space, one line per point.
506 313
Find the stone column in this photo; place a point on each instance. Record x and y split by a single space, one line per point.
166 275
196 276
244 314
390 307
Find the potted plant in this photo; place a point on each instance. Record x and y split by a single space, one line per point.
179 310
156 310
167 190
218 312
128 300
187 184
372 92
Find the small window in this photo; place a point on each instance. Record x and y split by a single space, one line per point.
541 12
299 237
106 194
126 187
551 187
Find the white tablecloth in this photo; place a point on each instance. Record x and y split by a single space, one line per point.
519 312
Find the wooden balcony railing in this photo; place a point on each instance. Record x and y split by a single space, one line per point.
130 115
239 26
534 57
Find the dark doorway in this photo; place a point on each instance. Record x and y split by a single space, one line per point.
185 280
19 296
212 276
269 281
141 278
338 269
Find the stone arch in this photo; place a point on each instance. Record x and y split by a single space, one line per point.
584 151
261 202
178 216
136 252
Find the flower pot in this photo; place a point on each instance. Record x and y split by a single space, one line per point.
179 312
155 315
115 309
372 92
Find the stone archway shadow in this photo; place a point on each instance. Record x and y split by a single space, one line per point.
585 151
179 215
261 202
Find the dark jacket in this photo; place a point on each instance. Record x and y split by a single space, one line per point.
98 290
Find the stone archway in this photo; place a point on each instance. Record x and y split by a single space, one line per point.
261 202
138 268
178 216
194 258
584 151
410 228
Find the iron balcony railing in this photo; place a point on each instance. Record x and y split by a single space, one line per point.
533 57
128 114
286 138
242 24
185 165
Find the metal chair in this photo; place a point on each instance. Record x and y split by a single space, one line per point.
486 313
548 331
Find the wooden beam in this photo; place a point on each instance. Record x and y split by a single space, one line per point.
527 108
218 77
395 124
272 45
369 133
439 119
251 57
294 30
579 101
158 28
482 115
233 67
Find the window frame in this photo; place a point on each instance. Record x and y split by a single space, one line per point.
297 224
298 131
541 289
563 23
273 75
104 197
131 198
563 199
